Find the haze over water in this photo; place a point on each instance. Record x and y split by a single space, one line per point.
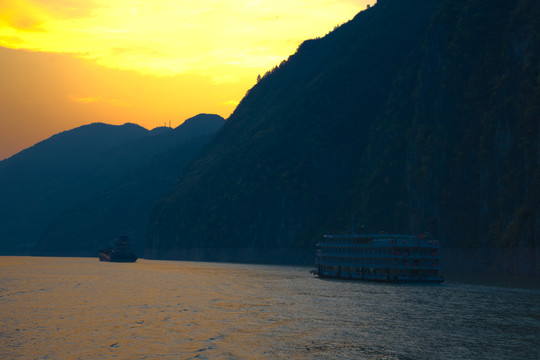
79 308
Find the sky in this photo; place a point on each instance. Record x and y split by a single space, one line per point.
67 63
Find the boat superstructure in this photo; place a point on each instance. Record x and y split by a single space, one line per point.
379 257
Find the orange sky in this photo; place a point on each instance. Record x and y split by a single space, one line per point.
66 63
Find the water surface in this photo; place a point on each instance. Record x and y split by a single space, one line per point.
80 308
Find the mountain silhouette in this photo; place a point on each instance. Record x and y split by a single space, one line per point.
291 151
414 116
80 188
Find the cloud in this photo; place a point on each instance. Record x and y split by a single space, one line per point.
20 15
67 9
8 41
85 100
171 37
32 15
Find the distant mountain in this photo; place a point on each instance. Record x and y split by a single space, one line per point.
414 116
79 189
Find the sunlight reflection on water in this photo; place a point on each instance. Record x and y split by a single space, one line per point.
79 308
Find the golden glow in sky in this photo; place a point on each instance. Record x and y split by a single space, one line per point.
70 62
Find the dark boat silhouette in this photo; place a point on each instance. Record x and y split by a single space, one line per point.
120 252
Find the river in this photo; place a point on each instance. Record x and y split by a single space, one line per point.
80 308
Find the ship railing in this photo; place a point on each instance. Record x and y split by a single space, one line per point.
370 236
398 256
340 259
365 239
380 266
416 256
358 256
383 244
424 265
350 245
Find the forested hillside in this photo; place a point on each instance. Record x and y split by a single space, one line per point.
414 116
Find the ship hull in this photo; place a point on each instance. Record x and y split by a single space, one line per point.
115 259
111 257
104 257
